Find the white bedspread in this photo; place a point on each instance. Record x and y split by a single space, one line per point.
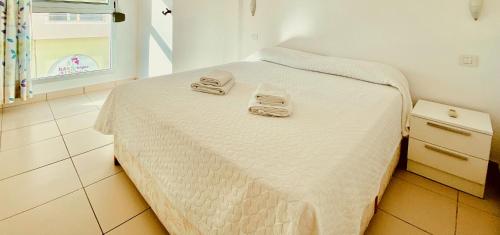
224 170
367 71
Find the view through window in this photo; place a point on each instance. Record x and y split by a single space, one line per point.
67 44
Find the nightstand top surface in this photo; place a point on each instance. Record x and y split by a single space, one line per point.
467 119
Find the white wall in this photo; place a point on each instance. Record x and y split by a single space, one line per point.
205 33
124 55
201 33
423 38
155 39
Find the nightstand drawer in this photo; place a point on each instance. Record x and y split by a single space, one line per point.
458 164
460 140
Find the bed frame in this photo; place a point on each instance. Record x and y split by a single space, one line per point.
368 214
371 209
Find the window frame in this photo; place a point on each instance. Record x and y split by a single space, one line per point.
51 6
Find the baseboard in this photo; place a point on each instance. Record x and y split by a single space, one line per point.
68 92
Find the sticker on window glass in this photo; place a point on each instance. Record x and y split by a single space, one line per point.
73 64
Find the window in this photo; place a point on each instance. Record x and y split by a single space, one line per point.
73 6
70 37
62 18
59 17
92 18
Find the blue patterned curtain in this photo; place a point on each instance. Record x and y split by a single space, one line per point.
15 50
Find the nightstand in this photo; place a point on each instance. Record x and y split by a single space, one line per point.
450 145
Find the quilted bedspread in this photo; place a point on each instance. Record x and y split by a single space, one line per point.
225 171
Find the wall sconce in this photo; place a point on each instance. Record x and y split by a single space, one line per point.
475 7
253 7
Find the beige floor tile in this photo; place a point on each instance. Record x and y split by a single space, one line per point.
423 208
68 215
27 135
427 183
64 93
37 187
26 115
115 200
124 81
385 224
490 203
77 122
145 223
96 165
85 140
19 160
99 97
69 106
474 221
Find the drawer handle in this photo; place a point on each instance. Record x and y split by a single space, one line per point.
445 152
456 131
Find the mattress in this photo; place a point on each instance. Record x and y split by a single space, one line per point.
213 168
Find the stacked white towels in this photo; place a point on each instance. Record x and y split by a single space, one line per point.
217 82
270 101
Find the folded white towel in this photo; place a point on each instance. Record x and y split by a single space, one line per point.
217 78
269 95
254 107
223 90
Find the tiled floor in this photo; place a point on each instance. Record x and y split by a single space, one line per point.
415 205
57 174
57 177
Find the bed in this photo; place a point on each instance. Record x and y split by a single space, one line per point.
207 166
